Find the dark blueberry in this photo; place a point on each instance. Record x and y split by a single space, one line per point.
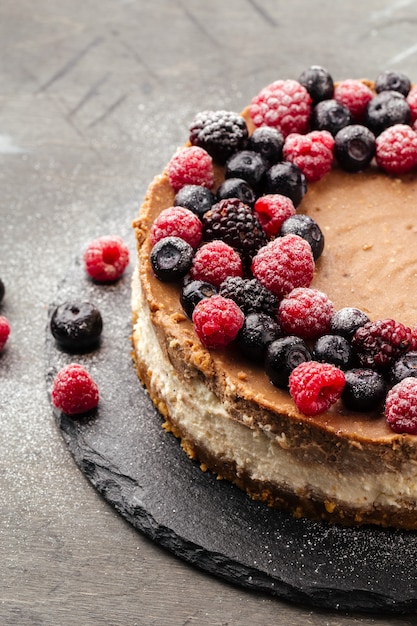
393 81
404 367
2 290
346 321
365 390
354 147
287 179
236 188
304 226
248 165
334 349
220 133
268 141
257 332
193 292
76 326
196 198
386 109
171 258
331 115
318 82
282 356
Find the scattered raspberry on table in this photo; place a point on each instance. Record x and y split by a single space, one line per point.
106 258
4 331
74 391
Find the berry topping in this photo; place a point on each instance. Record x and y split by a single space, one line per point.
318 82
355 95
393 81
214 262
106 258
257 332
74 391
378 344
190 166
346 321
287 179
283 356
2 290
354 147
196 198
220 133
176 221
331 115
236 188
304 226
312 153
217 321
404 367
306 313
365 390
285 104
333 349
192 292
386 109
76 326
315 387
4 331
250 295
268 141
396 149
248 165
171 258
412 103
272 210
401 407
283 264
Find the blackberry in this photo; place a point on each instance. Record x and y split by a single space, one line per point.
2 290
318 82
304 226
393 81
333 349
386 109
354 147
235 223
76 326
346 321
220 133
331 115
404 367
192 292
171 258
378 344
282 357
268 142
287 179
364 390
196 198
257 332
248 165
250 295
236 188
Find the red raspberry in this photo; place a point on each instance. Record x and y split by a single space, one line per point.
176 221
272 210
413 339
314 386
217 320
312 153
285 104
4 331
191 166
284 263
306 313
396 149
401 407
214 262
412 102
355 95
74 391
106 258
377 344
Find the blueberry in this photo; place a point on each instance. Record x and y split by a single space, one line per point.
196 198
334 349
304 226
236 188
386 109
76 326
331 115
346 321
354 147
2 290
257 332
268 141
404 367
365 390
171 258
282 356
393 81
318 82
287 179
246 164
193 292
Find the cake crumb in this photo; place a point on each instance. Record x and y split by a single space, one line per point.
242 375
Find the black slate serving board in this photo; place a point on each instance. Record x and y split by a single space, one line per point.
143 473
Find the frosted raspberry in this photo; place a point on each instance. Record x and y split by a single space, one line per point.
190 166
314 386
272 211
106 258
284 263
214 262
401 407
413 339
312 153
4 331
74 391
412 102
396 149
285 104
378 344
176 221
305 313
217 321
355 95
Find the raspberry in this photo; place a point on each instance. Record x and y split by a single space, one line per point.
176 221
413 339
378 344
4 331
285 104
284 263
272 210
214 262
412 103
306 313
396 149
401 407
74 391
355 95
250 295
106 258
220 133
190 166
312 153
314 387
217 321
